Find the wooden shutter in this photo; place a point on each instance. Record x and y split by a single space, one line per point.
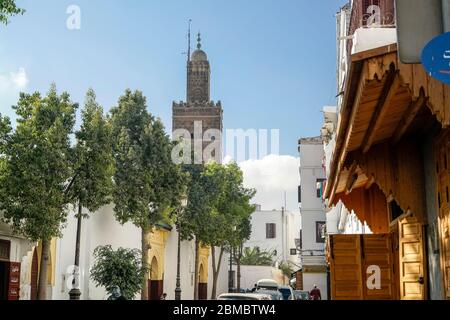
377 250
412 260
442 155
350 257
345 267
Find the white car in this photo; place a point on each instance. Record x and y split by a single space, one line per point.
243 296
267 284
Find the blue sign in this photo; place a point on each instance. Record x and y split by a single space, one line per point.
436 58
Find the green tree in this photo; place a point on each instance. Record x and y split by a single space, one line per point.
36 170
93 163
194 220
8 8
241 235
255 257
217 203
147 183
230 206
287 269
121 267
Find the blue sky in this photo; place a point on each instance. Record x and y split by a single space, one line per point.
273 62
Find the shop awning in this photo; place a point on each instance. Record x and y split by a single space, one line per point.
383 101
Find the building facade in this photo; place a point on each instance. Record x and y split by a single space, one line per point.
312 211
387 163
276 232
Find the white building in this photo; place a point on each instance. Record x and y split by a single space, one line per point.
100 229
312 210
275 231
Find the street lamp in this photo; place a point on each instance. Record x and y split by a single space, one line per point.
178 284
230 272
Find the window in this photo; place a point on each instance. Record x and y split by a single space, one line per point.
299 194
270 230
320 231
4 249
320 187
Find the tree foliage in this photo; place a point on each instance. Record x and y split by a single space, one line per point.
36 164
147 182
257 257
121 267
8 8
286 268
93 162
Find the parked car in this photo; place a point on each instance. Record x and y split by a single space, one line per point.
287 292
267 284
244 296
274 294
301 295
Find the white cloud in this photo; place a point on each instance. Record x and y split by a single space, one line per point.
19 79
271 176
11 84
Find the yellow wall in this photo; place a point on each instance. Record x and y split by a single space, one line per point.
203 261
158 240
51 263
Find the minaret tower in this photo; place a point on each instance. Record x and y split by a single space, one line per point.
198 108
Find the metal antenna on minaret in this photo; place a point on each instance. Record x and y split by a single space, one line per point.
189 42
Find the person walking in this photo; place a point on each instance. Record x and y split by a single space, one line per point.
315 293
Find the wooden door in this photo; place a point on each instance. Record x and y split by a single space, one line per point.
442 155
155 288
14 281
202 291
356 262
445 244
34 276
377 252
412 264
345 267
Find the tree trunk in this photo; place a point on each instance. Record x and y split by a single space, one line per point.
216 270
238 272
78 240
197 247
145 246
42 282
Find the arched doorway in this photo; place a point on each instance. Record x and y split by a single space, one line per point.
155 286
202 283
34 275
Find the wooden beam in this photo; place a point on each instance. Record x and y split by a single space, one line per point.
350 178
348 132
389 91
408 118
370 182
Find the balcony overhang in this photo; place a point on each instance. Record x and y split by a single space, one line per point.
383 101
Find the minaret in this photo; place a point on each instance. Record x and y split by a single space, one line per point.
198 108
198 75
